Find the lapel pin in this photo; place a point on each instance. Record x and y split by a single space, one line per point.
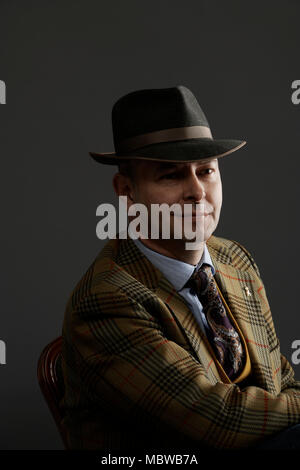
248 293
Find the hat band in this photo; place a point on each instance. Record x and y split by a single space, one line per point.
165 135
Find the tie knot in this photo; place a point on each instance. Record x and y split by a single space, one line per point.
199 280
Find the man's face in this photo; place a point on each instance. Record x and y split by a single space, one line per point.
180 183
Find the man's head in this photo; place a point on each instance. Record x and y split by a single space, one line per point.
171 158
151 182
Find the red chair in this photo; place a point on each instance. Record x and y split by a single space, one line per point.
51 382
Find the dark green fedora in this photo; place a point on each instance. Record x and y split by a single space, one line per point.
165 124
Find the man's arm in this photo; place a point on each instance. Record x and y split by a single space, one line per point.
287 373
125 362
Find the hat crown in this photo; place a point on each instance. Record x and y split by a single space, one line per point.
151 110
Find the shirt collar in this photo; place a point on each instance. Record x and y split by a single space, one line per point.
177 272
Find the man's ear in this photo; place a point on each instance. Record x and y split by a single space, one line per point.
122 186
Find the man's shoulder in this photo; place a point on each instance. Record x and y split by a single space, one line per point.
231 252
118 270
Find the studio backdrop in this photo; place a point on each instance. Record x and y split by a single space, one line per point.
62 67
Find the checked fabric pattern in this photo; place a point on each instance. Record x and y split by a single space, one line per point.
224 337
139 373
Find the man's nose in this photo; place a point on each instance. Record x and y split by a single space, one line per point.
193 188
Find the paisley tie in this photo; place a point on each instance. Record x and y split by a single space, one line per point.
223 336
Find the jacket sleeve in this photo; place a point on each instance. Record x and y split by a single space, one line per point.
125 362
288 382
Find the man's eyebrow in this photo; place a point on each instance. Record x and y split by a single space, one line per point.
166 166
208 160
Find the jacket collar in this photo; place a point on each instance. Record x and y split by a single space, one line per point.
131 258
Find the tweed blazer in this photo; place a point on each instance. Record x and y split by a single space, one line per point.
140 373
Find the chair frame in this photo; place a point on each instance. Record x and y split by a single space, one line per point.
49 382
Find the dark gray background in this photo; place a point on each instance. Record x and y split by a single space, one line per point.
65 64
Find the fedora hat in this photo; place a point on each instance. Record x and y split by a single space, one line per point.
164 124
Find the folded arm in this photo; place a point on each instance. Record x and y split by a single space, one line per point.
125 361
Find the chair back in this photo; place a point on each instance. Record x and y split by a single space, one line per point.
50 380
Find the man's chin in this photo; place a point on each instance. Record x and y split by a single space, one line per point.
191 237
200 234
175 233
196 239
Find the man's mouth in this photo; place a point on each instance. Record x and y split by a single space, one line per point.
200 214
194 215
197 214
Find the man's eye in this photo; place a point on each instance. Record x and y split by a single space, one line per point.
208 171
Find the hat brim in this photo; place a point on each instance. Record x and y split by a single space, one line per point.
177 151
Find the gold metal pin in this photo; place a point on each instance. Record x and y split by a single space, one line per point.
248 293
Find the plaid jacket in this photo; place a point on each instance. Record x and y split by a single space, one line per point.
139 372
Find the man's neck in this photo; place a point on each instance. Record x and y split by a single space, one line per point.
175 249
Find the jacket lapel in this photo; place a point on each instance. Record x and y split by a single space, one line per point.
242 291
176 317
191 337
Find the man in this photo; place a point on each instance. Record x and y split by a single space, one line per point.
164 346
